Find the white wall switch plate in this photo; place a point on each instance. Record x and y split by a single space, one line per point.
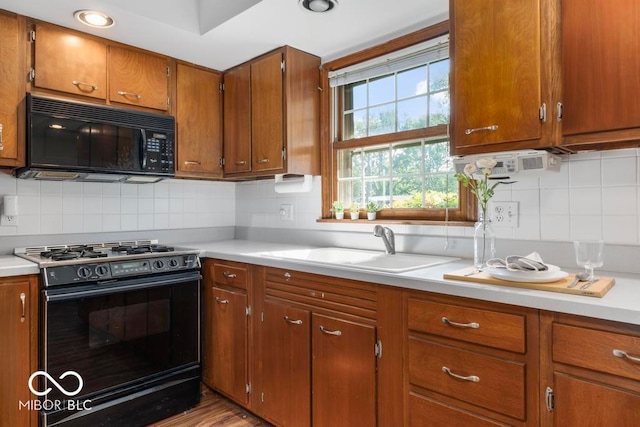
286 212
503 214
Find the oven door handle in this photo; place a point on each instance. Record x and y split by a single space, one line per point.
122 286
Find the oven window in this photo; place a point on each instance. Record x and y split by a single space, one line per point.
121 338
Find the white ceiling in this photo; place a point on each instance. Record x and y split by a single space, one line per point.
222 33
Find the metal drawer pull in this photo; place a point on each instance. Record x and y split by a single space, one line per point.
328 332
470 131
287 276
241 162
624 355
472 325
23 298
263 161
127 94
293 322
471 378
192 162
1 147
229 275
89 85
222 301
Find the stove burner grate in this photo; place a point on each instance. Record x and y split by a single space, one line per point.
72 252
141 249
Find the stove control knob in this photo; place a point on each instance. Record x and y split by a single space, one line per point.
174 263
101 270
158 264
84 272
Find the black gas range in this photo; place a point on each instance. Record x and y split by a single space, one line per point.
125 318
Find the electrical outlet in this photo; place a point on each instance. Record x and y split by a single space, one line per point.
8 221
504 214
286 212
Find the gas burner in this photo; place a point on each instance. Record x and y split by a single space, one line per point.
141 249
72 252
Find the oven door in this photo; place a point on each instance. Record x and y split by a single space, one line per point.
119 335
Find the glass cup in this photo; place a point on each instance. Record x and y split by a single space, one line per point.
590 255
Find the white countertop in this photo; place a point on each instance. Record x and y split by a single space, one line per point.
621 303
15 266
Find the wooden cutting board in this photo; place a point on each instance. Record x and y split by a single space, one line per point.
597 288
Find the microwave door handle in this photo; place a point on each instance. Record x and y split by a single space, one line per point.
143 149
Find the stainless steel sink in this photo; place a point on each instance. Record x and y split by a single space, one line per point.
361 259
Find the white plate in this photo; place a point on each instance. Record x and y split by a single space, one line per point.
553 274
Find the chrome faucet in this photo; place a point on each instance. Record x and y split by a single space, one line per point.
387 237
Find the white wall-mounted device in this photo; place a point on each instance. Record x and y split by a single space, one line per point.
509 163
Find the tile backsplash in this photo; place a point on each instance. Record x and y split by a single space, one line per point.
53 207
596 195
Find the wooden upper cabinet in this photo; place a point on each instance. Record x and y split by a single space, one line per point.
267 113
68 62
198 122
272 115
237 120
497 85
138 78
600 80
12 90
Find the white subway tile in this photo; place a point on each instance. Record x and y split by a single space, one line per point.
620 229
555 227
160 206
28 224
129 190
71 188
27 187
128 206
176 220
161 189
28 205
51 205
92 189
8 185
145 206
111 222
619 171
128 222
111 189
586 173
92 223
176 189
50 188
554 201
72 205
111 206
552 179
620 201
92 205
71 223
586 228
145 191
145 221
51 224
528 201
586 201
161 221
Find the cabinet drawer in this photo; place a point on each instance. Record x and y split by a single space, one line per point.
594 349
489 382
226 274
424 412
484 327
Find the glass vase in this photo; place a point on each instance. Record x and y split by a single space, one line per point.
484 242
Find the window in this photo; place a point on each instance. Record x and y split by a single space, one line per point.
389 132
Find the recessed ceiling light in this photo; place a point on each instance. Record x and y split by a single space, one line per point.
318 5
94 19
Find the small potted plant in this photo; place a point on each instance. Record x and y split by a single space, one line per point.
354 210
371 208
338 209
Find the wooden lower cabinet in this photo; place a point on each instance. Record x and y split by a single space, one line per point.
285 353
317 363
344 372
225 331
18 348
591 372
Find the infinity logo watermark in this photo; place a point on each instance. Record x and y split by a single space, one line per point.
55 405
59 387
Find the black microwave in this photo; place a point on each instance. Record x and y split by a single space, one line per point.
87 142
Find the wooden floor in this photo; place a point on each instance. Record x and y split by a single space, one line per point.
213 410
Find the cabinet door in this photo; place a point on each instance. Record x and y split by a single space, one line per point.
138 78
12 89
199 122
226 343
495 74
600 63
267 121
237 120
68 62
582 403
286 358
344 373
14 353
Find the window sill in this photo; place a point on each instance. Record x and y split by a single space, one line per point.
398 221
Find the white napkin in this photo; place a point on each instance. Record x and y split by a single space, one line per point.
531 262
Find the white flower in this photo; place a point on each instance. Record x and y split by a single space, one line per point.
486 163
470 169
486 171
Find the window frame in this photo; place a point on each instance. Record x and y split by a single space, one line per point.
465 214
